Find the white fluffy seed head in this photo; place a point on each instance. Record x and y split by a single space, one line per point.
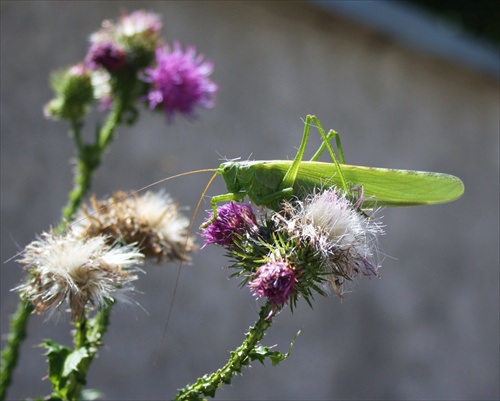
345 236
83 271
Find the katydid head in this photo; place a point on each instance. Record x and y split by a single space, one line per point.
236 175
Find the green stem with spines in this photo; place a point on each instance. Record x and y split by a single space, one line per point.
207 385
10 353
88 334
89 157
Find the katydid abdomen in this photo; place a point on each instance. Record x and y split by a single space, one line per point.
262 181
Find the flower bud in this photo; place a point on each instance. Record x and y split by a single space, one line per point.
73 94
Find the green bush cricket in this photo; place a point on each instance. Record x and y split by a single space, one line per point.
269 183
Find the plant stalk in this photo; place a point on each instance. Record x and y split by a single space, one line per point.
207 385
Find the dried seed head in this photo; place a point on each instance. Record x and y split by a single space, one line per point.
83 271
152 220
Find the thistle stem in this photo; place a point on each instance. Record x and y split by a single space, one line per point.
207 385
89 159
88 334
10 353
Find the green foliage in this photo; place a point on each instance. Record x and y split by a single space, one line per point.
260 353
63 364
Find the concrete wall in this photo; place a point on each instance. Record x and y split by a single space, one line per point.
428 329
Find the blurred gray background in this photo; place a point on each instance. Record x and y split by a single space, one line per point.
427 330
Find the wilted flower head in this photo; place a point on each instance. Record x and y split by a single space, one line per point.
274 280
108 55
180 81
133 39
152 220
232 219
82 271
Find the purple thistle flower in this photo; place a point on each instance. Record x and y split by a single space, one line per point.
108 55
180 81
276 281
232 218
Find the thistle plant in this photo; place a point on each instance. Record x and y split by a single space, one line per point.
89 266
309 244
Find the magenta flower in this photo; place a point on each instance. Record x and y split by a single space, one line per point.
107 55
232 218
276 281
180 81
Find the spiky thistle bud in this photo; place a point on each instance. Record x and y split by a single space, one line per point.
274 280
73 94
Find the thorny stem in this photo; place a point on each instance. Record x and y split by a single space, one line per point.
88 334
10 353
207 385
89 158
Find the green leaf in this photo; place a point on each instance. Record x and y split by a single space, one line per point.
56 356
260 353
73 360
62 364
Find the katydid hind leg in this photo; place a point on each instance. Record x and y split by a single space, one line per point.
291 174
326 143
331 134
